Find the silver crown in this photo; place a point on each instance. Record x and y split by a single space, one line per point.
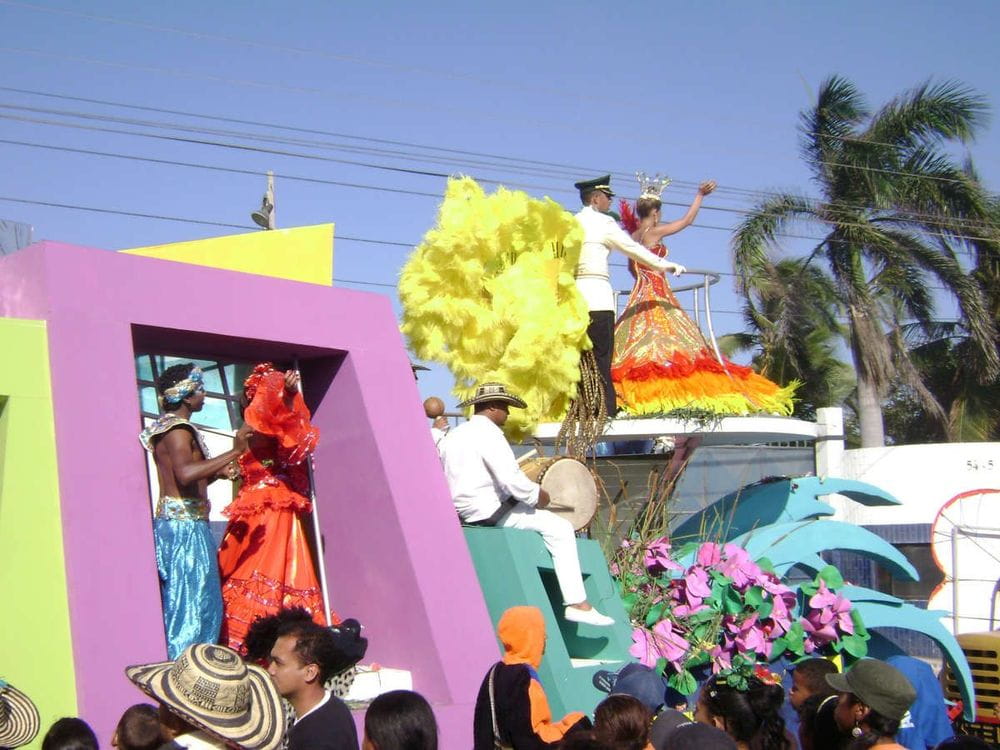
651 187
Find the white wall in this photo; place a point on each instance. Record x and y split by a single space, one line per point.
926 479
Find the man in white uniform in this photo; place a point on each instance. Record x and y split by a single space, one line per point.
601 233
488 488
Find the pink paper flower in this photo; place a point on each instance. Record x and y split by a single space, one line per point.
657 557
781 615
818 634
661 642
738 566
709 554
720 659
832 608
696 582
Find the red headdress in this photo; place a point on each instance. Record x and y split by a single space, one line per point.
254 378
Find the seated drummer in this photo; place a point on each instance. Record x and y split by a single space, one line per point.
489 489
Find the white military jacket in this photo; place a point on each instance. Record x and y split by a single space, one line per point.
601 233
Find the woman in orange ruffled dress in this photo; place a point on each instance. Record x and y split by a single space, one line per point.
265 562
662 362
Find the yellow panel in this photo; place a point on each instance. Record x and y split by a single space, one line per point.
299 254
36 650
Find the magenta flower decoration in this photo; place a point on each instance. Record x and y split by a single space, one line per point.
720 659
726 611
696 581
661 642
709 554
657 557
642 647
738 566
832 607
781 614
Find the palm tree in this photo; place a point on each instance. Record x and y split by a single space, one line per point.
793 333
894 210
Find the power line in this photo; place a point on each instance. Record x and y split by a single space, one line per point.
220 144
216 168
316 157
291 128
535 166
492 116
184 220
179 219
928 219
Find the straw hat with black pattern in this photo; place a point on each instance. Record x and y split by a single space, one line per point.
212 688
19 720
489 392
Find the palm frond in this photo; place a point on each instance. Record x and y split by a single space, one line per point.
757 233
930 113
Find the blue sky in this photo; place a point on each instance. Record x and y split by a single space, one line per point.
528 94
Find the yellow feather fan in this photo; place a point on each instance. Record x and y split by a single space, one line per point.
489 292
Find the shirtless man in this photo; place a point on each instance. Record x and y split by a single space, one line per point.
185 551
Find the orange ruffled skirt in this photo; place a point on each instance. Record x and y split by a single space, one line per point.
662 362
266 565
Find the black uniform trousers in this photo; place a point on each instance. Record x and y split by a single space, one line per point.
602 335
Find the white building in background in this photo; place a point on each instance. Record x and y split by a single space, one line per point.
948 524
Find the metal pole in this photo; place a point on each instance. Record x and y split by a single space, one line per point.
954 579
711 328
320 552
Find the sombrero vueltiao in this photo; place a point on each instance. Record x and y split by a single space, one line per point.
212 688
493 392
19 720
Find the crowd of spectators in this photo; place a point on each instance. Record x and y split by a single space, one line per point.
211 697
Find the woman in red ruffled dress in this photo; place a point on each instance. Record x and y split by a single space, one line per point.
265 562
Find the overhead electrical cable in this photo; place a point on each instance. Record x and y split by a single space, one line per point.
244 147
925 218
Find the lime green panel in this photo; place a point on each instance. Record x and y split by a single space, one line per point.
514 568
36 653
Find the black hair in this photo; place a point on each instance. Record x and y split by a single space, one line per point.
139 728
70 734
813 672
879 726
818 728
484 405
263 632
171 377
583 741
622 722
401 720
316 644
751 715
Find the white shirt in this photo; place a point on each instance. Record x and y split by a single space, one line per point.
200 741
482 471
600 234
438 434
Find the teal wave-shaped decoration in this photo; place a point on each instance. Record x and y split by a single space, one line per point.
779 501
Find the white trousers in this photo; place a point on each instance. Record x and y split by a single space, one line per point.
560 540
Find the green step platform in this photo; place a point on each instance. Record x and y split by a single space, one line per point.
514 568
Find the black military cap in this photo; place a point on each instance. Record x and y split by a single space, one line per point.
601 183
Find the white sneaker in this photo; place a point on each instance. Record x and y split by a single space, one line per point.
588 617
